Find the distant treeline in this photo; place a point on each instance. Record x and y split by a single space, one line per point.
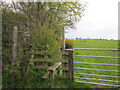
94 39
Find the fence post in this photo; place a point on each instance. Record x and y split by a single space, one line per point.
70 64
52 75
64 66
14 52
14 47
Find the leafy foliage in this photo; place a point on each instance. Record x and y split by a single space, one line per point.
44 22
69 43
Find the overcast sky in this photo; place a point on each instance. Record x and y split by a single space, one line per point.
100 20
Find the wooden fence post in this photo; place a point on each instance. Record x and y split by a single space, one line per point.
70 64
64 66
52 75
14 51
14 47
63 40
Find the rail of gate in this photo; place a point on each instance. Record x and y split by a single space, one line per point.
79 79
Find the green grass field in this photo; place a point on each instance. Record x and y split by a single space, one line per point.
98 44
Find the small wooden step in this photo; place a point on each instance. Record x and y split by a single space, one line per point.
45 76
54 67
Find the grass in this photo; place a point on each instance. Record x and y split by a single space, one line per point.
83 43
34 80
105 44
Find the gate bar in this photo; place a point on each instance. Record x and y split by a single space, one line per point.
97 64
96 75
98 84
95 56
96 49
97 79
98 69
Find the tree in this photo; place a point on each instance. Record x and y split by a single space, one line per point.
44 21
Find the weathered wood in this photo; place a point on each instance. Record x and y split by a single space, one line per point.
47 52
41 67
58 62
48 60
64 70
54 67
63 40
14 47
45 76
52 75
70 64
64 66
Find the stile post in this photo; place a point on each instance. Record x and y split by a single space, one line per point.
63 40
70 65
63 56
52 75
14 47
64 66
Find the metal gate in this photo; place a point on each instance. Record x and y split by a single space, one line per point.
96 69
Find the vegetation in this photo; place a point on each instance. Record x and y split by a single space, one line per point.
44 22
106 44
69 43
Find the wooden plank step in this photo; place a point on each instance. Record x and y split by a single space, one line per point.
45 76
54 67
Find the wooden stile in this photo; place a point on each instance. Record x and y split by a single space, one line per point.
68 67
65 67
45 76
70 64
47 52
41 67
48 60
52 75
52 69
